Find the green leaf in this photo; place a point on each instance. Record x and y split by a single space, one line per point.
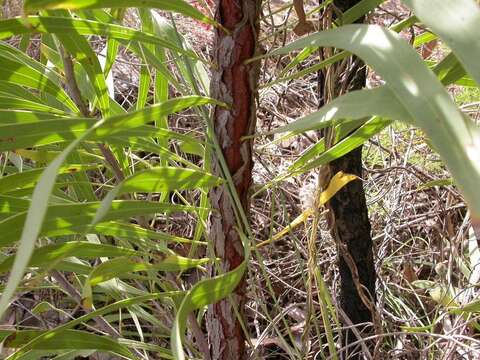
20 116
178 6
64 26
135 119
12 205
136 234
79 47
358 10
314 68
121 266
449 70
42 307
353 141
29 134
42 336
424 38
159 179
355 105
14 90
192 70
424 284
76 218
112 48
472 307
187 143
456 22
433 183
46 156
66 340
455 137
124 266
18 69
162 179
47 256
13 103
203 293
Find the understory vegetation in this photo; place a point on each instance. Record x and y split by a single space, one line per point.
190 179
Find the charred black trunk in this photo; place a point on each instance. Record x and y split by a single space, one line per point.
351 229
350 225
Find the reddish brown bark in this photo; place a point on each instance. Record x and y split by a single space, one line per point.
233 83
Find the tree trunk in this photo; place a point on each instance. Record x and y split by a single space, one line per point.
234 83
349 221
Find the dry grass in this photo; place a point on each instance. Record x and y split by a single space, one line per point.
420 234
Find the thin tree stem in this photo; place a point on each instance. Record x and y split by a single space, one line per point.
82 106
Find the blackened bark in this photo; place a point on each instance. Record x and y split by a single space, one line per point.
233 83
350 225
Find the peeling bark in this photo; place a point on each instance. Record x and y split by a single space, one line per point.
234 83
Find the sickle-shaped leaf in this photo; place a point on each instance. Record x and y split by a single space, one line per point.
79 47
29 134
22 116
203 293
18 68
355 105
120 266
15 103
29 177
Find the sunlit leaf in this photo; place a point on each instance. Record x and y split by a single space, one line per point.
178 6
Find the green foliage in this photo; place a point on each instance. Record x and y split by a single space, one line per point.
60 118
86 203
411 87
178 6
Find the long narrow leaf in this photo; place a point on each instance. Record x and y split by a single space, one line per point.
455 138
62 25
456 22
67 340
178 6
76 218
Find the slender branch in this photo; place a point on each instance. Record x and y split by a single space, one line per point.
112 161
72 83
304 26
77 98
75 294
